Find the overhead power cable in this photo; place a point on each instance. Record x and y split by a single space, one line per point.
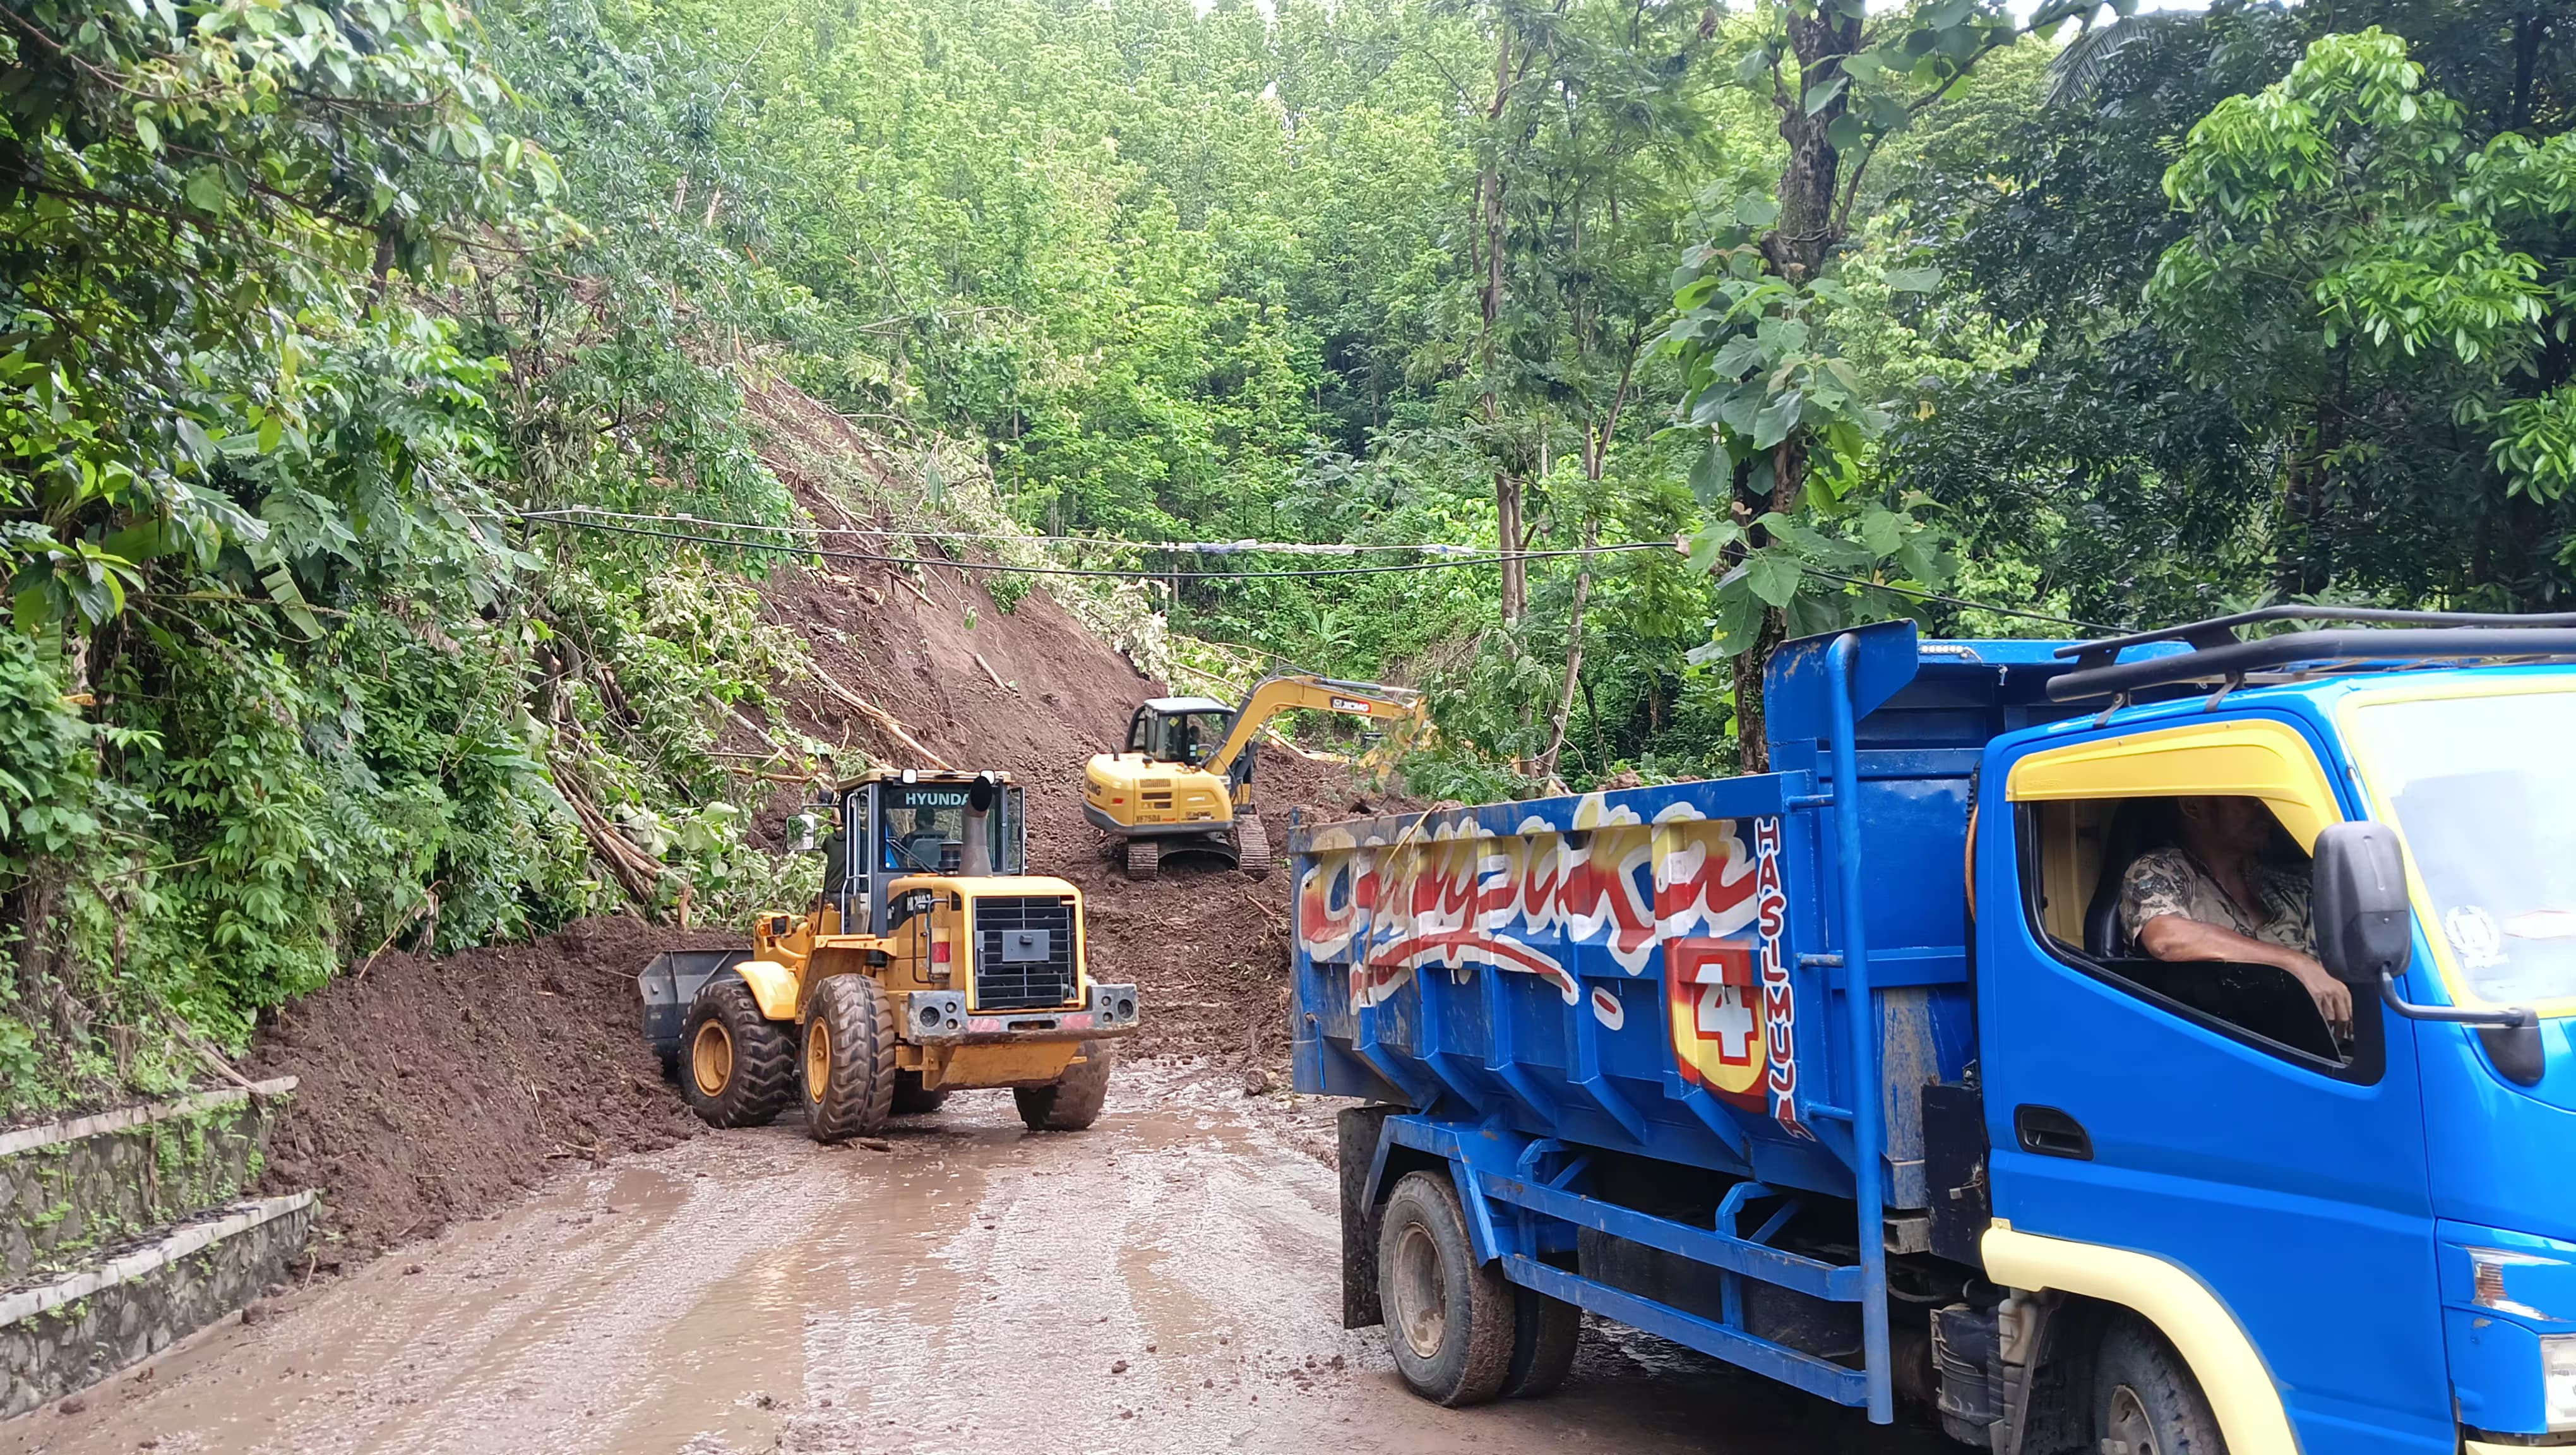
1921 594
588 520
578 513
1127 574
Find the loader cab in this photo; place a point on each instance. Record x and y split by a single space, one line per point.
908 822
1185 730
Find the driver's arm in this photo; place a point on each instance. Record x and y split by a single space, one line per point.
2180 937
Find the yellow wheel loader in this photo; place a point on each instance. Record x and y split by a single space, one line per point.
931 962
1184 781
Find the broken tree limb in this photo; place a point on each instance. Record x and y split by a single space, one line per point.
758 733
636 872
988 671
876 714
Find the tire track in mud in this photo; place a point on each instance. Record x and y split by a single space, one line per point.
1167 1282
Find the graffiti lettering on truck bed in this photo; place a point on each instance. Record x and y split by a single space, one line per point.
1605 884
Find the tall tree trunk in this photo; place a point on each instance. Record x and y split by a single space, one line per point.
1752 748
1805 232
1490 221
1573 653
1808 227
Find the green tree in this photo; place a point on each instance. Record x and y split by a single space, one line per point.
1786 418
2351 248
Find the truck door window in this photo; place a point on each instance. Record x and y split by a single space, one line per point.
2101 871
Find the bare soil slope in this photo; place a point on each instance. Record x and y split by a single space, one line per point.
438 1089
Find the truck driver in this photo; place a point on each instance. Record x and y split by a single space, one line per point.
2212 897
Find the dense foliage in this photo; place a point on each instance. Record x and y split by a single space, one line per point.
1874 310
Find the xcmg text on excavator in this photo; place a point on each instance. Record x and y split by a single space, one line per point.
1184 780
931 961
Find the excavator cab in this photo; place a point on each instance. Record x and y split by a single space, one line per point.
1183 730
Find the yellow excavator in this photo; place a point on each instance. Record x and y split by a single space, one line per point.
1184 781
931 961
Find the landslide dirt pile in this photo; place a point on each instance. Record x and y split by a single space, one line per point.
437 1089
434 1089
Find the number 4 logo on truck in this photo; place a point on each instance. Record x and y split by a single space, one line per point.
1730 1004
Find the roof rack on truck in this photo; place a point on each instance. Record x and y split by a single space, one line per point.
2217 654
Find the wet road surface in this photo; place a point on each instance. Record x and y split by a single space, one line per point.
1168 1281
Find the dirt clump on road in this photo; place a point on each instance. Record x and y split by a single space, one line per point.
435 1089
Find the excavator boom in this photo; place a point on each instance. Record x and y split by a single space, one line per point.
1290 692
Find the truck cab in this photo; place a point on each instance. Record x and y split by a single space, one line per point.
1857 1073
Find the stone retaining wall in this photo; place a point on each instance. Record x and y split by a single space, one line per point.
73 1331
70 1187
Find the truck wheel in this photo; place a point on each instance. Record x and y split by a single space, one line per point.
1252 845
736 1065
1450 1320
849 1058
912 1099
1072 1101
1544 1333
2145 1401
1144 858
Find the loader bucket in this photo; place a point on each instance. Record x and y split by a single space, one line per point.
668 985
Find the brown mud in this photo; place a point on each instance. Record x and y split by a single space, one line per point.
1167 1281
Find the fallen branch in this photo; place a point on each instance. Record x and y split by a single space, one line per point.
638 873
758 732
906 583
876 714
989 672
1309 754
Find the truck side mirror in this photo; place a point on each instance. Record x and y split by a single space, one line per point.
2363 924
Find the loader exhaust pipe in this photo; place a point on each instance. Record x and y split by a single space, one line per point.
978 848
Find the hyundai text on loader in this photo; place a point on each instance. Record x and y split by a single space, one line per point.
930 962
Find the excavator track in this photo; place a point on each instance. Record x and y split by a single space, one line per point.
1252 845
1144 858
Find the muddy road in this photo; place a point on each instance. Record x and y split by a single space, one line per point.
1165 1282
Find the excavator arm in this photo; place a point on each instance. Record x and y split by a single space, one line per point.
1289 692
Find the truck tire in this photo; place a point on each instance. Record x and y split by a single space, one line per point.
1072 1101
736 1065
848 1063
1144 858
1450 1320
2145 1398
1544 1333
912 1099
1252 845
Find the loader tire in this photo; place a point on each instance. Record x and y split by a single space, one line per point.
1252 846
848 1066
737 1067
912 1099
1450 1320
1144 858
1072 1101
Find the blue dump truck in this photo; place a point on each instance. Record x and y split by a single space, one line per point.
1857 1074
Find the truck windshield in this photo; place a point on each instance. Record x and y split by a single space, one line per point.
2484 790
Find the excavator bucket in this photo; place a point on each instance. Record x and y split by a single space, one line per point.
668 985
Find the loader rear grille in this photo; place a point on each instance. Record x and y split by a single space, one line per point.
1013 970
